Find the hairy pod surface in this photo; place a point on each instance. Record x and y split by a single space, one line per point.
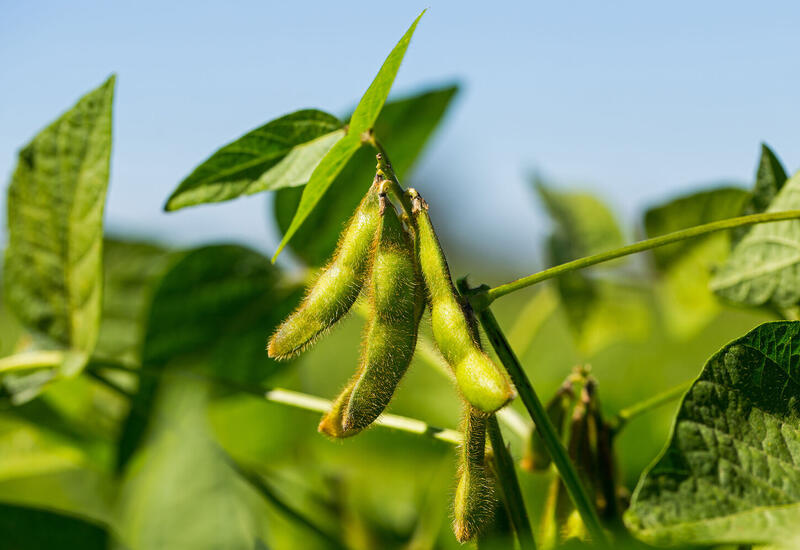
336 289
480 381
396 301
474 498
331 424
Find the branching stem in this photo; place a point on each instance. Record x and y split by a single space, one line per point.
481 300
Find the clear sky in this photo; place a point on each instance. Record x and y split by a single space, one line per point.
635 100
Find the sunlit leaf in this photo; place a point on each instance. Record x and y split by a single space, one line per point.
770 177
281 153
731 470
53 266
764 267
404 127
363 118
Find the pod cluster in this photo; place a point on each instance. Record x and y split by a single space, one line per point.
398 264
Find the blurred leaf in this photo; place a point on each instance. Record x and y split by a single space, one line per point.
372 101
281 153
35 529
179 491
363 118
130 271
770 177
764 267
584 224
731 470
685 267
218 305
599 313
687 211
404 127
53 266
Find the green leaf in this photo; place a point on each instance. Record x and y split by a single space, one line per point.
599 312
731 470
36 529
764 267
180 491
218 304
53 265
131 270
685 268
281 153
372 101
584 224
363 118
404 127
770 177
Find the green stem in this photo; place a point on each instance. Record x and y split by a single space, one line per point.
307 402
110 384
483 299
28 360
385 166
512 494
552 442
628 413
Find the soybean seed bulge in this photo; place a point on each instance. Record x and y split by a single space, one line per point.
337 287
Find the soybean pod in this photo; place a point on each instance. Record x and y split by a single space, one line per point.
474 497
480 381
396 301
337 287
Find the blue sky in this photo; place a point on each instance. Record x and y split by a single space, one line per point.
637 101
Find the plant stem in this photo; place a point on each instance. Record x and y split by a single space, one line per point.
482 300
28 360
304 401
512 494
552 442
107 382
385 166
628 413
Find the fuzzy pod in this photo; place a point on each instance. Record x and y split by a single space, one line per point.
474 498
478 378
331 423
337 287
536 458
396 300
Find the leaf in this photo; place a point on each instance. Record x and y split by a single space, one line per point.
764 267
599 312
363 118
694 209
404 127
53 265
584 224
180 491
218 304
770 177
36 529
731 470
685 267
130 272
281 153
372 101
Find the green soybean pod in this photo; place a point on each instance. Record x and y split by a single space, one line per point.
480 381
337 287
396 298
331 423
474 498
